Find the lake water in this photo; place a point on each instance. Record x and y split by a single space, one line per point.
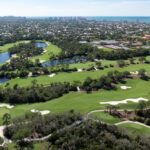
4 57
71 61
41 44
3 80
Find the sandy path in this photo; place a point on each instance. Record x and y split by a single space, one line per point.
52 75
139 123
7 106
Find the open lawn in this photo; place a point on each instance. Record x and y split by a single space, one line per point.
84 103
49 50
136 128
36 146
107 49
74 76
89 64
104 117
7 46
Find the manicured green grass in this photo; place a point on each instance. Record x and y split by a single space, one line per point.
41 146
11 146
36 146
74 76
84 103
89 64
49 50
104 117
107 49
7 46
137 128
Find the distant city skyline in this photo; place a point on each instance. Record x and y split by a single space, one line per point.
75 8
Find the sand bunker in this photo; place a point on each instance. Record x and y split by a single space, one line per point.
6 105
78 89
14 56
96 69
47 43
1 131
136 72
52 75
125 101
42 61
44 51
45 112
8 61
125 87
80 70
30 74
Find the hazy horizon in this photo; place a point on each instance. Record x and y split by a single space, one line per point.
39 8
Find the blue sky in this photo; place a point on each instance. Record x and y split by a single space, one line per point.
75 7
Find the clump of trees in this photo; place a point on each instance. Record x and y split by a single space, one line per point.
34 125
104 82
26 50
143 113
142 74
19 63
97 136
35 93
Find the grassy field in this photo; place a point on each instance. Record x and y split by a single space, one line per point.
107 49
104 117
84 103
36 146
49 50
7 46
74 76
89 64
136 128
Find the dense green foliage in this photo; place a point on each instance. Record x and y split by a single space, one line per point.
26 50
71 49
18 64
97 136
39 126
36 93
104 82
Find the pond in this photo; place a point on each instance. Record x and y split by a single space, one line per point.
41 44
3 80
71 61
4 57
